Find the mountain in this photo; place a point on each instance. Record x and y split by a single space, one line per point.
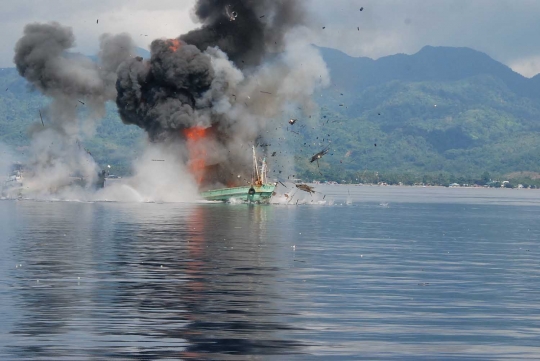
441 110
453 110
429 64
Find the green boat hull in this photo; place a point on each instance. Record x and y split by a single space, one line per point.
259 194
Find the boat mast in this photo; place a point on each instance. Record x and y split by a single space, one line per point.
256 167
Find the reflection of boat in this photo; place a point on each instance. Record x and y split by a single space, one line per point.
260 191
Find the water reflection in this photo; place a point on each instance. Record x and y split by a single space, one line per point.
190 281
168 281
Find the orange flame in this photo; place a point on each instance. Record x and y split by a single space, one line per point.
174 45
197 151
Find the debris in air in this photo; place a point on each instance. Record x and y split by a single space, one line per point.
283 185
81 102
305 188
232 15
265 92
274 154
361 9
40 117
292 121
158 160
260 17
320 154
324 27
97 21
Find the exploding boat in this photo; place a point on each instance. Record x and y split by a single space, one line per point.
259 191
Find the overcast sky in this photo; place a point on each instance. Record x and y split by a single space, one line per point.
507 30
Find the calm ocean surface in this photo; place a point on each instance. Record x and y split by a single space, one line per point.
437 274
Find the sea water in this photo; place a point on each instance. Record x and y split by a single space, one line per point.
388 273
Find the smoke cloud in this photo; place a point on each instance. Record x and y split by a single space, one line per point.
78 88
246 30
232 77
203 98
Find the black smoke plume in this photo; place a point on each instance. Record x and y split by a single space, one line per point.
196 80
244 29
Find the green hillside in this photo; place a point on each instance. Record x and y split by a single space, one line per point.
441 113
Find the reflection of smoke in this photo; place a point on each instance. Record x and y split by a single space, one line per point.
78 87
196 81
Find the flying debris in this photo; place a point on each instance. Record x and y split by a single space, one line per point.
274 154
361 9
40 117
292 121
319 155
232 15
305 188
265 92
97 21
324 27
81 102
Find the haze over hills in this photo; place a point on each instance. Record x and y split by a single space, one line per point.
453 110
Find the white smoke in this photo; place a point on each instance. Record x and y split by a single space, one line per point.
159 176
79 89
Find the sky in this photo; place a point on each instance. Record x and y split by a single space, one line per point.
506 30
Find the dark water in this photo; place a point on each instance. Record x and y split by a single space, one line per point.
437 274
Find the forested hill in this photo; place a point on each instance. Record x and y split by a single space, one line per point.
443 109
454 110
